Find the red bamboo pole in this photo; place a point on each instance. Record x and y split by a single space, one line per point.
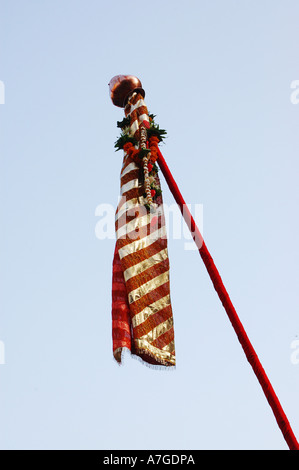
248 349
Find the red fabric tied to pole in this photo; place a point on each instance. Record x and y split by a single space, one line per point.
142 319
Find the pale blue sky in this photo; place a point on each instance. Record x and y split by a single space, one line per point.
217 75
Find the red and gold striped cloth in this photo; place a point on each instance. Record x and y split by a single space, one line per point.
142 319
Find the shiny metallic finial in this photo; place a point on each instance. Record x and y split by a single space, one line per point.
122 86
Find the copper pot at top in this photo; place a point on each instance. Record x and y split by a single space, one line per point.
122 86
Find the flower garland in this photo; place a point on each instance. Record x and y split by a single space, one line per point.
145 160
144 157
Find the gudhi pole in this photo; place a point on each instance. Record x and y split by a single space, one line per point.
121 88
